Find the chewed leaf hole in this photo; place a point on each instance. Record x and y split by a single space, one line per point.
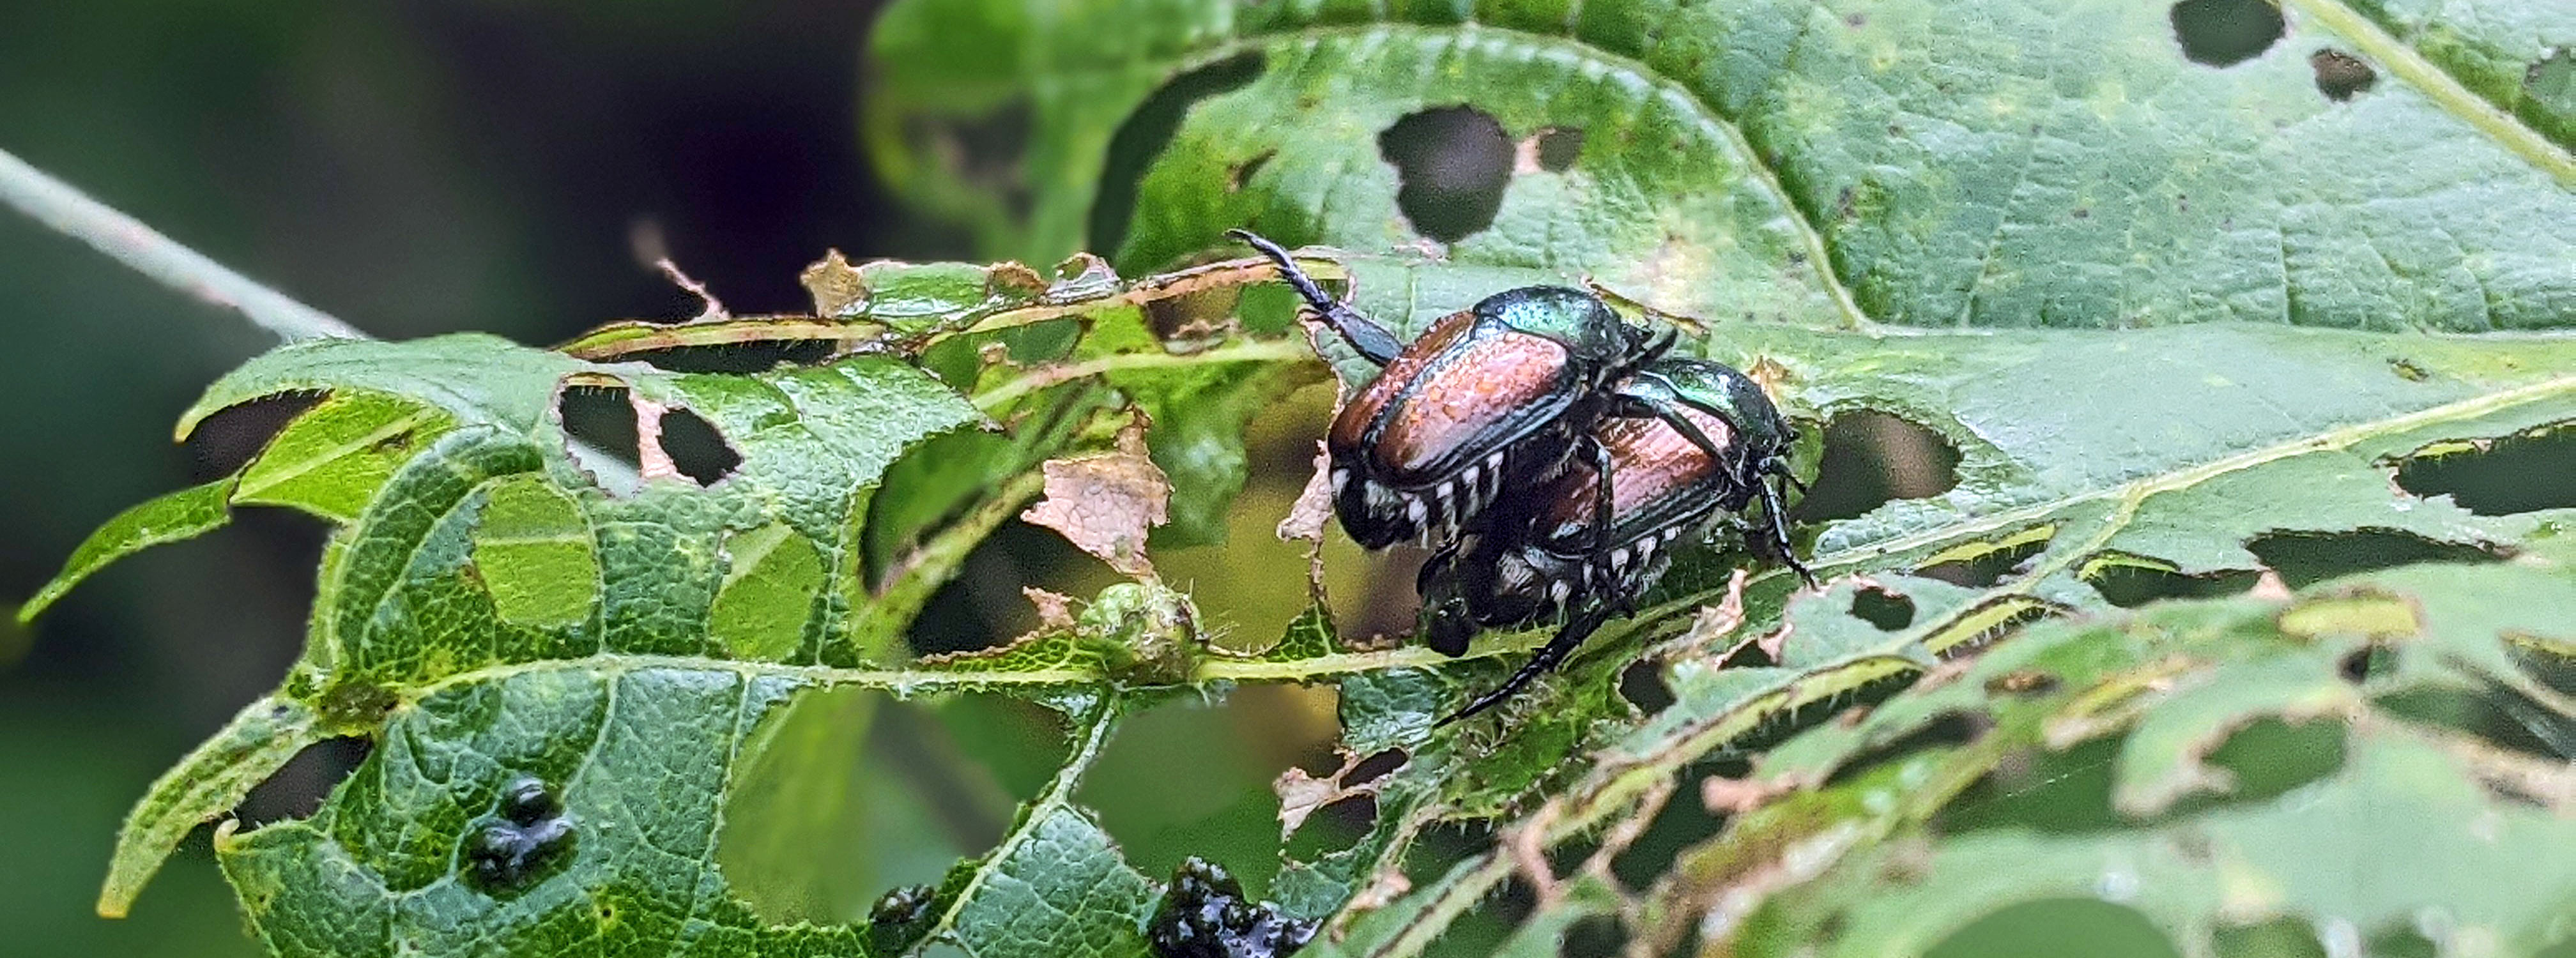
2034 927
297 788
1948 730
2226 32
1244 171
2358 665
2549 663
814 780
1454 162
1150 129
2340 74
1990 622
695 448
600 418
2523 472
982 606
2050 792
1642 684
751 357
2269 757
1333 827
1684 821
227 440
1596 935
1376 766
2130 581
1979 565
1889 611
2306 558
1872 457
2498 715
1552 149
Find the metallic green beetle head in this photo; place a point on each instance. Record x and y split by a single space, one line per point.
1570 316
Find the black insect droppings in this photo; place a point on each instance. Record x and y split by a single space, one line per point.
2340 75
900 918
528 830
1203 915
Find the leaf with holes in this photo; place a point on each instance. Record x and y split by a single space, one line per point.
2004 163
2079 457
562 664
2154 316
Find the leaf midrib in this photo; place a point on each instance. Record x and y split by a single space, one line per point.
2443 89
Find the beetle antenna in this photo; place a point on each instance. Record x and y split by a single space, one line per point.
1653 348
1371 340
1576 630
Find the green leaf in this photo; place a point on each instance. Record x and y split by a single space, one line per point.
332 458
534 553
207 783
172 517
2009 163
472 377
2501 51
383 867
2091 267
761 610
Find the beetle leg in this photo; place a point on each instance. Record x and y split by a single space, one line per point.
1603 499
1775 467
1372 341
1774 505
1633 406
1446 620
1575 631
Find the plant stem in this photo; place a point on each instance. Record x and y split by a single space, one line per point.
72 213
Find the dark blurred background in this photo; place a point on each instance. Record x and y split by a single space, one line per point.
412 167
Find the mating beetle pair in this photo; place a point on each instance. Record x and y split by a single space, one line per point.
1550 452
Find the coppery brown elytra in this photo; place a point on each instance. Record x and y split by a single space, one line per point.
1490 398
1582 552
1540 388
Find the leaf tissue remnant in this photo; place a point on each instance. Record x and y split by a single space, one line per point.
1106 503
2224 33
1454 161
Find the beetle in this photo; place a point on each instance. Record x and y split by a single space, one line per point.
1489 399
1596 538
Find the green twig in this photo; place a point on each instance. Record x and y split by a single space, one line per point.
72 213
